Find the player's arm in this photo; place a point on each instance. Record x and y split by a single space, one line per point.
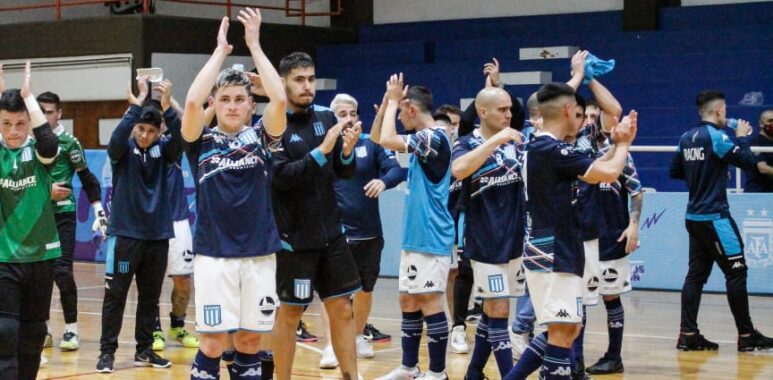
193 119
275 115
172 148
344 164
46 142
465 162
395 94
607 171
611 110
578 69
630 179
289 173
94 194
739 154
375 128
676 169
118 145
387 164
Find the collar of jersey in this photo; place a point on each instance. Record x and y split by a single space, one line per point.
544 133
59 129
704 122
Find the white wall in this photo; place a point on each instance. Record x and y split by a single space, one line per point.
181 69
393 11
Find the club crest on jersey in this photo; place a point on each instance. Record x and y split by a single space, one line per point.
361 151
155 151
302 288
123 267
319 128
496 283
26 154
212 315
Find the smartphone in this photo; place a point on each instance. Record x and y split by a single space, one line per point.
154 74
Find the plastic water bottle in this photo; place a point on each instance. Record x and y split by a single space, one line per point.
732 123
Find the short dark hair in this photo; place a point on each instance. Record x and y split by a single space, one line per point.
232 77
294 60
150 115
448 108
421 97
554 90
591 103
706 96
581 101
441 117
50 97
12 101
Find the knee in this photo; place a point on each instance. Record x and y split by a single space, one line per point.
289 314
496 308
341 309
9 336
248 343
212 345
31 337
563 335
409 303
182 283
610 298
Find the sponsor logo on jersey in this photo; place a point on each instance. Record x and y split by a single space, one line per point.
18 184
562 314
429 284
76 156
593 283
520 276
693 154
294 138
212 315
361 151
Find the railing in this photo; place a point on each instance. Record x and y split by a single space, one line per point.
666 149
147 5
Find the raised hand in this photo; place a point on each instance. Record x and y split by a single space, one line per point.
508 134
330 138
578 63
222 37
382 107
744 128
142 85
165 90
625 131
251 19
491 71
395 89
26 87
350 136
257 84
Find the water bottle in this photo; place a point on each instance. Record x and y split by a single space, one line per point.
732 123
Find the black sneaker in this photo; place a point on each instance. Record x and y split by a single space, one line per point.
578 371
605 366
695 342
475 313
372 334
105 363
303 335
148 358
755 341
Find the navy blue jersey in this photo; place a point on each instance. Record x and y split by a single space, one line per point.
702 158
179 201
140 205
586 199
359 214
756 182
494 205
234 214
554 240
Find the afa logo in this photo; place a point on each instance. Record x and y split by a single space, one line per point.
758 239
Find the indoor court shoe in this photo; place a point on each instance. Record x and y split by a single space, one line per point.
105 363
606 366
695 342
372 334
158 341
402 373
364 349
328 360
303 335
755 341
49 342
459 341
148 358
182 335
43 361
429 375
69 341
475 313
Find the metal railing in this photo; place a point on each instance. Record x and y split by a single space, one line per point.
300 10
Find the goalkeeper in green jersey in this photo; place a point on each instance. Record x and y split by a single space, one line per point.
28 238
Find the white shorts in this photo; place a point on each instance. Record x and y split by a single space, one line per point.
423 273
180 262
499 280
615 277
591 273
556 297
235 294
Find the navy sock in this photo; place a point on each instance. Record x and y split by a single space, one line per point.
531 359
411 327
481 351
176 321
205 367
266 364
578 345
499 339
437 341
228 358
555 365
247 366
615 327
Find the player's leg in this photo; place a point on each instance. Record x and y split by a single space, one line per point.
367 256
431 276
150 272
590 297
699 269
180 268
523 325
10 303
328 359
33 314
461 292
65 281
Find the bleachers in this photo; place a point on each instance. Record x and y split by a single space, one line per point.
658 72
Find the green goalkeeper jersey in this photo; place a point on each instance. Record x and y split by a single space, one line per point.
27 227
69 160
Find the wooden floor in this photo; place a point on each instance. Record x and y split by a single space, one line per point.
652 321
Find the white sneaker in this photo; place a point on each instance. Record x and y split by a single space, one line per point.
402 373
429 375
328 360
459 340
520 343
43 361
364 348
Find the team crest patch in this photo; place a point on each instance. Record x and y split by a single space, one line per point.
496 283
319 129
123 267
302 288
212 315
76 157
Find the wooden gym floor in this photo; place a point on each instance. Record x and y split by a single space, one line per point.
652 321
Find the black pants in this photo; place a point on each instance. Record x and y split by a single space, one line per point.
715 241
63 275
462 291
25 299
127 257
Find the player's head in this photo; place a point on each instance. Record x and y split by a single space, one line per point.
417 103
580 110
231 99
533 107
766 122
14 119
51 106
442 120
299 77
592 112
558 106
712 107
454 114
345 108
493 105
147 129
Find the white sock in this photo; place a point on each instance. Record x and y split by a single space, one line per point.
71 327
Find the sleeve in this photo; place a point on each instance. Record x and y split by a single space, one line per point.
467 121
119 140
676 171
631 177
270 143
46 144
517 111
173 147
425 144
461 147
343 166
739 154
289 173
571 162
90 185
392 174
75 155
